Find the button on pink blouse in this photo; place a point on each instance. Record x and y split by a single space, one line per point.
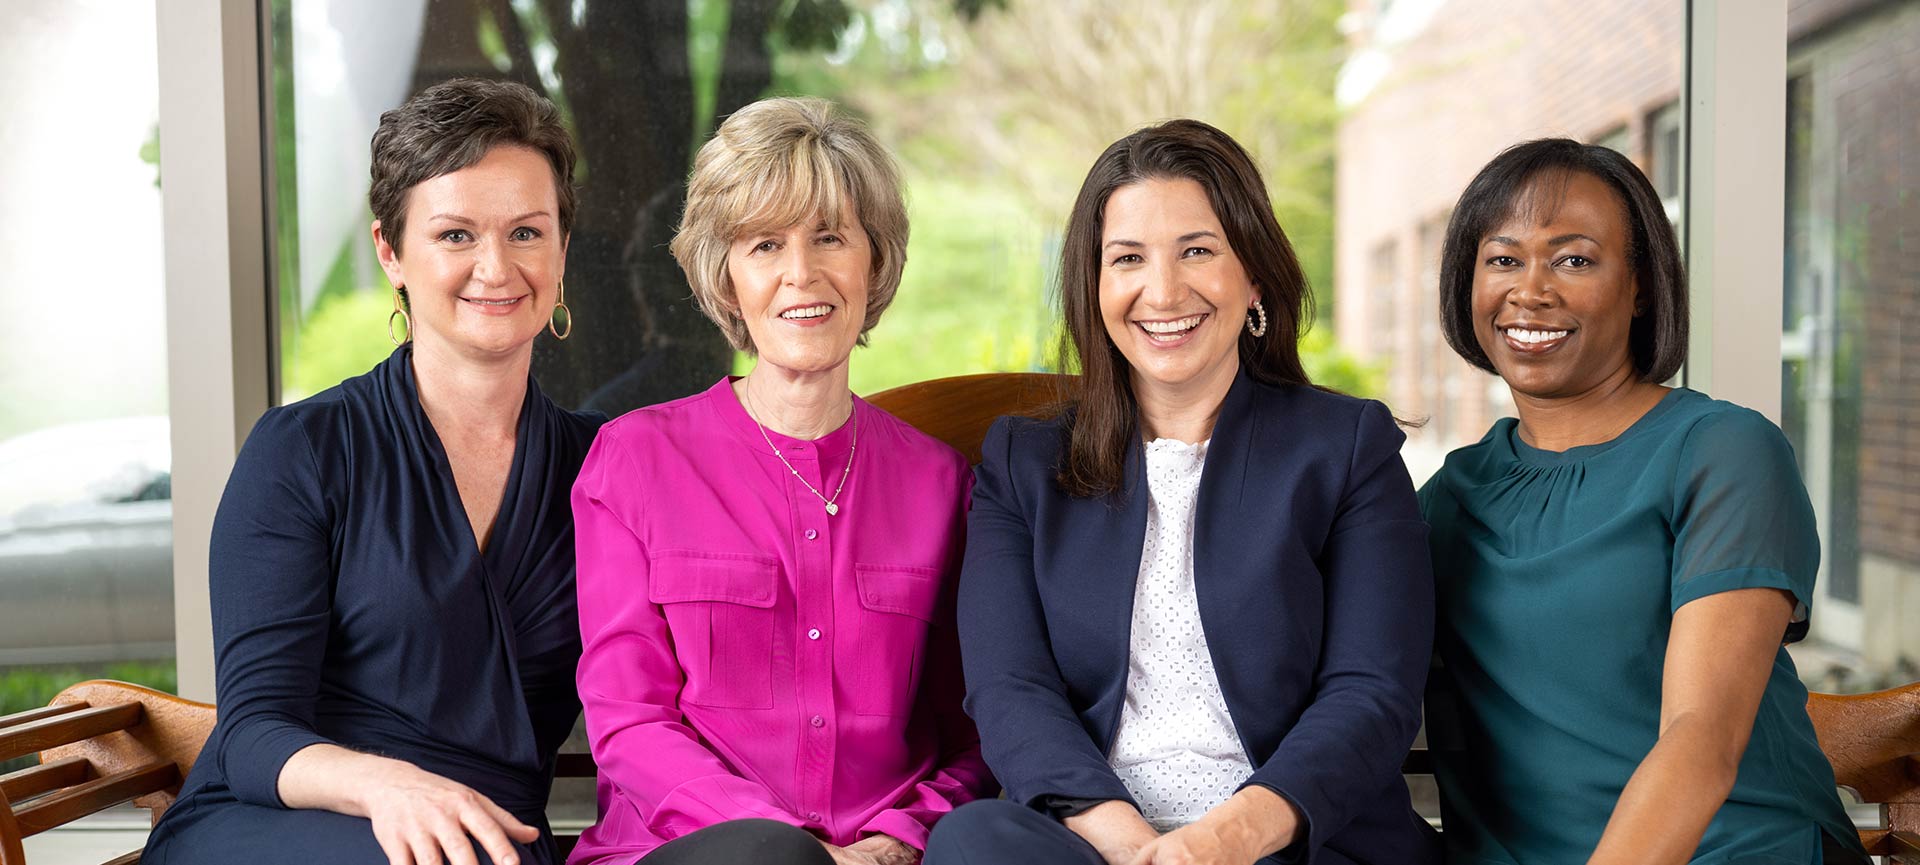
747 655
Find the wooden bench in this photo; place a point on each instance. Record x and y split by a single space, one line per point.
104 743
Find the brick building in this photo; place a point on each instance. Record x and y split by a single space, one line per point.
1851 347
1435 88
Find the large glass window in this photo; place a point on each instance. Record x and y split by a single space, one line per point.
642 84
1850 329
86 562
1368 118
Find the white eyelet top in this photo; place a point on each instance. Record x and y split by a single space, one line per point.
1176 750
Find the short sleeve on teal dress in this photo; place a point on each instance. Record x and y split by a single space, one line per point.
1741 517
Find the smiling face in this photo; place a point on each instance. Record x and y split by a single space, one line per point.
1173 295
1554 300
482 256
802 291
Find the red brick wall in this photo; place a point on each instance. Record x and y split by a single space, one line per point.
1869 72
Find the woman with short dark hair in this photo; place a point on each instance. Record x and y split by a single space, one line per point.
1619 567
392 562
1196 609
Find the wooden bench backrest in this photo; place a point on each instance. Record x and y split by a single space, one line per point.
102 743
958 410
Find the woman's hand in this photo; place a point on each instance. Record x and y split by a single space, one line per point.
875 850
1196 844
419 818
1115 829
1255 823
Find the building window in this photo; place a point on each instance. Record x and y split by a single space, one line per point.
1617 140
1430 343
1385 311
1429 96
1667 155
1849 347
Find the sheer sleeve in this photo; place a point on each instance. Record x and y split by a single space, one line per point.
1741 517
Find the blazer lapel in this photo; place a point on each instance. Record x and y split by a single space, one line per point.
1106 536
1223 528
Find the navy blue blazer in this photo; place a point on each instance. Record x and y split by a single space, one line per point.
1315 591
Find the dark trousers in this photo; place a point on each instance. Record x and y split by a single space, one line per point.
1003 832
742 842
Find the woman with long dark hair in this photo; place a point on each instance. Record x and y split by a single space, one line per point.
1196 608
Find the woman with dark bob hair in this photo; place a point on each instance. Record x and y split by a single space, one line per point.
392 562
1619 567
1196 607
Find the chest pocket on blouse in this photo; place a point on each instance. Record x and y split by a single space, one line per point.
883 662
719 610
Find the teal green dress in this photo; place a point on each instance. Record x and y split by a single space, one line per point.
1558 575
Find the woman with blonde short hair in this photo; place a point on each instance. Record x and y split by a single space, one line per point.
770 670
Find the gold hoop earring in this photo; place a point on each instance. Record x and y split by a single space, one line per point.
406 321
560 322
1260 312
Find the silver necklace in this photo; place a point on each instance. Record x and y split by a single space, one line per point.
854 446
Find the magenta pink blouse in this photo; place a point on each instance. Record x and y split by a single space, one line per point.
747 655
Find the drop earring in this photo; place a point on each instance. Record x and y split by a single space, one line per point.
560 323
400 312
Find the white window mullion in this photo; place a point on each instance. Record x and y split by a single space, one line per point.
1736 197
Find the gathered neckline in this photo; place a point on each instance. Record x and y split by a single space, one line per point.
1531 455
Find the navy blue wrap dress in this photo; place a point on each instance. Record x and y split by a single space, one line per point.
353 606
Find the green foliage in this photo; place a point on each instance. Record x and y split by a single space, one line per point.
707 22
23 688
993 146
1328 366
150 153
286 197
813 25
973 296
344 336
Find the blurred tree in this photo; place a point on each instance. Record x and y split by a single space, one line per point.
623 66
624 69
1019 98
1034 91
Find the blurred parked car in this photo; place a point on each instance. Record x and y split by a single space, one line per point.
86 543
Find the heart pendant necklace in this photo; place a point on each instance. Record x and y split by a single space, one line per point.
833 509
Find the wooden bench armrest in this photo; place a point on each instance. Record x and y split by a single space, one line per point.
1871 740
1901 847
173 730
31 735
